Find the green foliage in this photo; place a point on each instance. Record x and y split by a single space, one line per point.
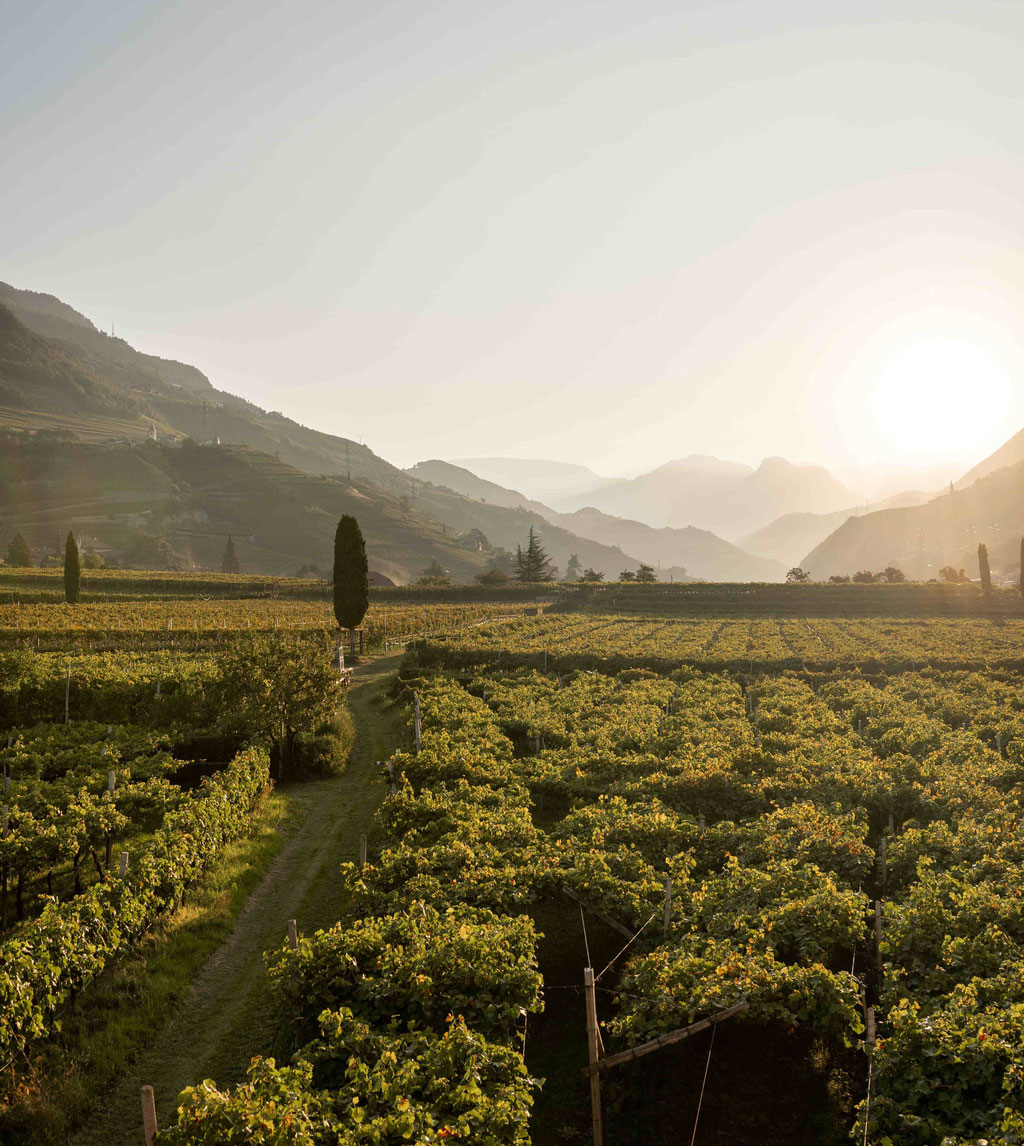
797 576
351 586
72 571
356 1085
533 564
278 689
18 552
70 943
421 964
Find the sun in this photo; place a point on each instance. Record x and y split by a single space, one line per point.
943 395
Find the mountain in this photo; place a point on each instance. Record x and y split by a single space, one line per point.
546 481
156 505
463 481
141 390
704 555
792 535
1009 454
119 430
700 553
922 539
727 498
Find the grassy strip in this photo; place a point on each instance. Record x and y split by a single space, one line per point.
127 1004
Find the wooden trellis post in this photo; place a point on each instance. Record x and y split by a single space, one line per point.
67 696
668 905
123 870
878 937
293 934
362 850
419 722
149 1125
594 1056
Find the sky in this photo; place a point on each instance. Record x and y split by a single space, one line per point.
611 233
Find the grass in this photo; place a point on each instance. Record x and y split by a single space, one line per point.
132 999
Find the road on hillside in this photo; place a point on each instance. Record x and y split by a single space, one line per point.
227 1017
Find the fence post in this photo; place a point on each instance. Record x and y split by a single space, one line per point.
593 1034
293 935
149 1114
362 850
124 865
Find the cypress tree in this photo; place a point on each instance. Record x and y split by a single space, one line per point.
18 552
351 582
229 562
72 570
984 571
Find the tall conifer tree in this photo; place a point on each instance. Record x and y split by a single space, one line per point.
351 577
72 570
984 571
229 562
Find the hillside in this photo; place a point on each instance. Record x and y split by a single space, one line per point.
463 481
789 537
920 540
140 389
161 506
507 527
700 553
1010 453
543 480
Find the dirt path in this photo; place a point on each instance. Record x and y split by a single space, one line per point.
227 1017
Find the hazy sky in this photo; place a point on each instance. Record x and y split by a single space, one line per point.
612 233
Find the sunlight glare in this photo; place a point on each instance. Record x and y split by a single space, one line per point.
942 395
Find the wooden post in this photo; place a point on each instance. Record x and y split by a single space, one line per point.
878 937
362 850
592 1052
882 864
149 1115
869 1034
123 871
67 696
419 722
110 781
362 634
293 935
4 828
668 906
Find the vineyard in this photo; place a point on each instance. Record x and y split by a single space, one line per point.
610 642
836 852
129 759
196 623
810 825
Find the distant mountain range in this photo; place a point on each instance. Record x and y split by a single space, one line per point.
723 497
702 554
117 461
